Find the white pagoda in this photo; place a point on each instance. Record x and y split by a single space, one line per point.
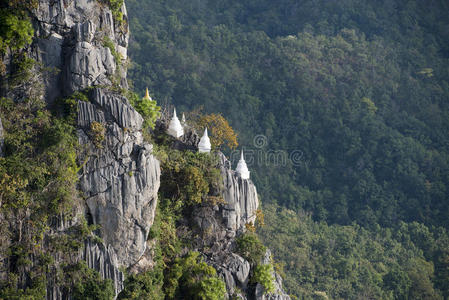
183 120
175 128
204 145
242 168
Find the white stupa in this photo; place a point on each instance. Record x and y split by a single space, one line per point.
242 168
174 128
204 145
183 120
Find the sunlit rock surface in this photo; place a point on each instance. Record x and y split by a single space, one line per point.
73 40
120 181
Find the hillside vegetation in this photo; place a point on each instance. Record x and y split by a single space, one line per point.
360 89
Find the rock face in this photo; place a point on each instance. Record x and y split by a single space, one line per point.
120 181
75 39
240 197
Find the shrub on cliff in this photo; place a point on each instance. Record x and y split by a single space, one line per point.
263 275
221 133
194 279
147 108
188 177
250 247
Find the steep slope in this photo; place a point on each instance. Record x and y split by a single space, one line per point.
83 215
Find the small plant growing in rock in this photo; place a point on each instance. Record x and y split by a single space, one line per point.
250 227
192 278
260 218
97 134
263 274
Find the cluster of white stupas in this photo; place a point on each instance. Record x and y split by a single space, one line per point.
176 129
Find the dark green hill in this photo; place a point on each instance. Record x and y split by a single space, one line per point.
355 92
359 87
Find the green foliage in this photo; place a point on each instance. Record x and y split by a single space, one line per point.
147 108
297 74
23 67
194 279
37 289
250 247
69 106
348 262
358 88
16 30
164 230
108 43
97 133
146 285
40 159
263 274
38 177
87 283
188 177
116 9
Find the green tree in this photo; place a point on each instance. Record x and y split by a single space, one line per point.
194 279
146 107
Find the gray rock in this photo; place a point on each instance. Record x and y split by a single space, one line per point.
70 40
119 109
105 261
240 195
84 32
89 65
119 181
233 269
239 268
87 113
49 50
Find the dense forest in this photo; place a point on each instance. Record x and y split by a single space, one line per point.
360 89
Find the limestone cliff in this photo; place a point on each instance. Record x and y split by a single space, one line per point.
85 48
119 181
81 45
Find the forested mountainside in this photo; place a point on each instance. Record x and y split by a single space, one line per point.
360 90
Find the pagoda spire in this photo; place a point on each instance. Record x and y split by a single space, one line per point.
242 168
147 94
174 127
183 119
204 145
